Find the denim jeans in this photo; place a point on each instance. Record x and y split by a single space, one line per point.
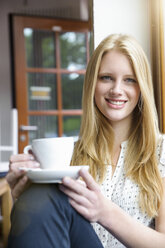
43 218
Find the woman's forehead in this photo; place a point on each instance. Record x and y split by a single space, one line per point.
114 61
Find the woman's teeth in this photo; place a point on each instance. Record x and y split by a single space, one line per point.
116 102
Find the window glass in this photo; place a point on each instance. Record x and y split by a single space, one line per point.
71 125
72 85
39 48
73 50
42 91
47 127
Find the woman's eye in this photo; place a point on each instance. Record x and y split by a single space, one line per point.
105 78
130 80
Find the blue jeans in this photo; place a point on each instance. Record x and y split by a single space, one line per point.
43 218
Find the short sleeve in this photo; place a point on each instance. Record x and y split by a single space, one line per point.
161 149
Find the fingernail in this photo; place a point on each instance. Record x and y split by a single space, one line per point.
66 180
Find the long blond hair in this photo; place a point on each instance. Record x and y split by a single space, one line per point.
96 134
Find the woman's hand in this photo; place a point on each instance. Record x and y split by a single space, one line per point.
91 204
88 201
17 178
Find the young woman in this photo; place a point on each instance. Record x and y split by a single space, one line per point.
120 140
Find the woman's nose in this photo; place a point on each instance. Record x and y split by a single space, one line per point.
116 88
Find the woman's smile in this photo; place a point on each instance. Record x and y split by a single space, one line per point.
117 104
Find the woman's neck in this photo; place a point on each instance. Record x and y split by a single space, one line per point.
121 133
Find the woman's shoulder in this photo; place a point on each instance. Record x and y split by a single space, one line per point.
161 154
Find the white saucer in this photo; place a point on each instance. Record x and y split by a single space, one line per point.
53 175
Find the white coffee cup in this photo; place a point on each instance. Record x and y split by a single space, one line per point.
52 153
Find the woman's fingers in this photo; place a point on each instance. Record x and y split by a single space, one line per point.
16 177
88 179
79 208
21 157
80 199
22 160
74 186
81 182
77 191
13 176
78 188
24 164
15 173
20 186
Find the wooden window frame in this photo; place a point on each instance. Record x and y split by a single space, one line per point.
158 58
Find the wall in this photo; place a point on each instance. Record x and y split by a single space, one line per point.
70 9
122 16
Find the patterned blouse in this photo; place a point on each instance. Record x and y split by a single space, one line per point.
124 193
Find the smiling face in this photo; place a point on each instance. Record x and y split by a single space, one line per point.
117 90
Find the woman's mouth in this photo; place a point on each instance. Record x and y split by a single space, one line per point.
116 102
